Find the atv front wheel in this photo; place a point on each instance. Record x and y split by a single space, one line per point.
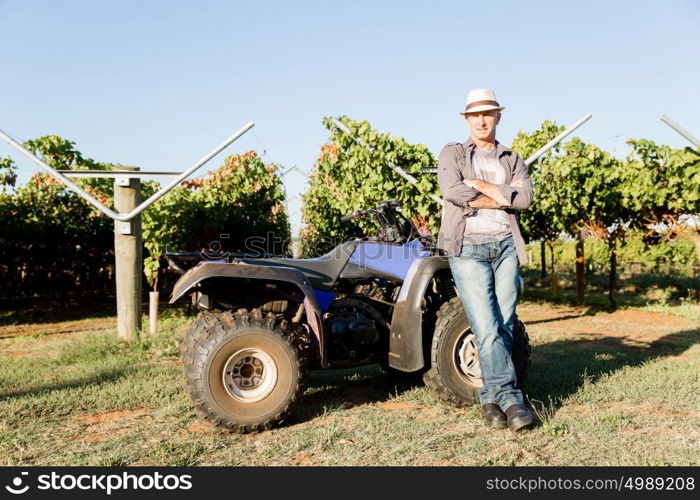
455 375
241 371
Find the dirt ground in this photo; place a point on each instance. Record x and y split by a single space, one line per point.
635 325
632 326
57 328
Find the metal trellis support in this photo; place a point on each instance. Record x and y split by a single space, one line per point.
690 137
127 221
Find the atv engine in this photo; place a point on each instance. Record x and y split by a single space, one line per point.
360 329
355 329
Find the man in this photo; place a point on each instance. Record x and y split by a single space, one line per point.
483 185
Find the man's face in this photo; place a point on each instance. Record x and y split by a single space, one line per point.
483 124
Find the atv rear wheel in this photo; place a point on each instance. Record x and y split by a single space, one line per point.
242 373
455 375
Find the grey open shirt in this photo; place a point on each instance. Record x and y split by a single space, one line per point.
455 165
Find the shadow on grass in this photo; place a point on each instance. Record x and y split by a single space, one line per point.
560 368
587 312
342 389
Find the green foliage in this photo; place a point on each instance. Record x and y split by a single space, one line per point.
242 199
348 177
662 181
542 219
637 254
52 241
61 154
580 187
663 189
8 176
589 182
526 144
576 185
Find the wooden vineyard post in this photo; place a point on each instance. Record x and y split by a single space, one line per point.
128 257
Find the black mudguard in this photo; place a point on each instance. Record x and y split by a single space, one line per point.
406 341
234 271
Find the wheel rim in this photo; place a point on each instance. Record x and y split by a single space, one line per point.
249 375
466 359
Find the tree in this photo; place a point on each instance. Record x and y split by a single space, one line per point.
578 188
542 221
348 176
662 186
8 174
589 184
61 154
51 241
222 211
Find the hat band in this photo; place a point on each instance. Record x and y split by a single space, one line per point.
482 103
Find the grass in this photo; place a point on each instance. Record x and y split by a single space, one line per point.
684 309
616 398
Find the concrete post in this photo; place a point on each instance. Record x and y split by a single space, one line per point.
128 257
153 312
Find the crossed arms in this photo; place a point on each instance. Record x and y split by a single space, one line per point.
492 196
474 193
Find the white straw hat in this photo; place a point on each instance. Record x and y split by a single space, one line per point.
481 100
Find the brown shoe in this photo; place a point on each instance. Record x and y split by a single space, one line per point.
518 417
494 417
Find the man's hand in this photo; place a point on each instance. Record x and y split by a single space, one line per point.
472 183
485 202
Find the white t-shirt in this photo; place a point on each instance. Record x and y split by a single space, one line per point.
486 224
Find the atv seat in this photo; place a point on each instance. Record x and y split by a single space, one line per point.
321 271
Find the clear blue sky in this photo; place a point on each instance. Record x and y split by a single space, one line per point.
158 84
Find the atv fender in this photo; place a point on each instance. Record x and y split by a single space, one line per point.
207 270
406 340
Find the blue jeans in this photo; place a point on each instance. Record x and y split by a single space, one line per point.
486 277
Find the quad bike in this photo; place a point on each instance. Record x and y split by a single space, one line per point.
264 322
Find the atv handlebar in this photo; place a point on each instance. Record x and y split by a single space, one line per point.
389 205
355 215
395 226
